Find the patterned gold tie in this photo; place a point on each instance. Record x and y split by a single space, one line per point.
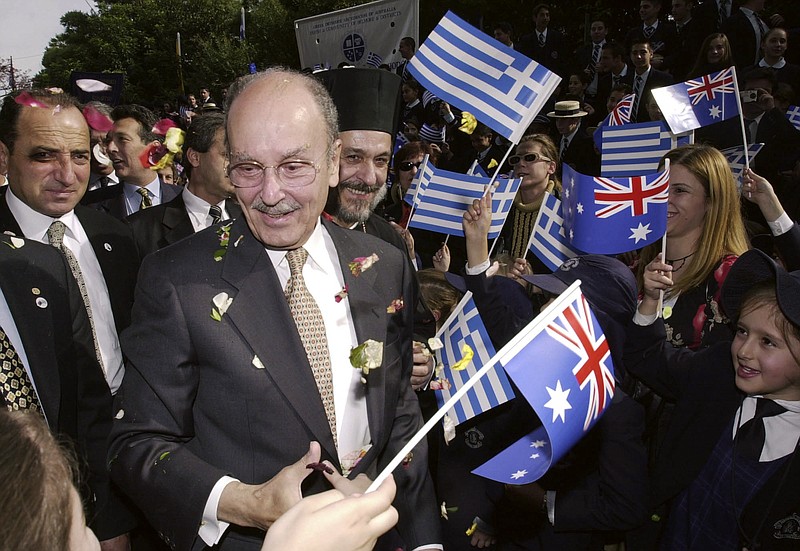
146 201
311 327
17 388
55 234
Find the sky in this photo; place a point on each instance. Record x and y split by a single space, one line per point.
26 27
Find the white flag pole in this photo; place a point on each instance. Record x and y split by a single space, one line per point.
741 121
537 325
659 310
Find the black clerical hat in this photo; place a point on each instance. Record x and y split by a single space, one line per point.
367 99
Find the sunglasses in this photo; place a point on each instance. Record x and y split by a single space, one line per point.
405 166
529 158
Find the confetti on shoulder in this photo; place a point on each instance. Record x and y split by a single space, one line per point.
341 295
363 263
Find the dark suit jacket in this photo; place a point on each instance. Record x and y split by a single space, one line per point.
655 79
113 199
164 224
663 40
605 84
742 36
706 399
199 406
580 153
113 245
707 15
552 55
687 45
51 319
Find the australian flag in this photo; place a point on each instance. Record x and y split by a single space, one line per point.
561 364
700 101
465 327
476 73
549 240
614 215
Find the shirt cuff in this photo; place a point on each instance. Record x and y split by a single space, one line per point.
643 320
211 528
429 546
479 269
782 225
551 507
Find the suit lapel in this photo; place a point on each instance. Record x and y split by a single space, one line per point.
34 325
176 222
7 219
368 318
260 313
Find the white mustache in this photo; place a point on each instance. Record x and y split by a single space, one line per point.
284 207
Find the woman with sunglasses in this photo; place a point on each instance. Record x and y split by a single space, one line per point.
535 161
406 163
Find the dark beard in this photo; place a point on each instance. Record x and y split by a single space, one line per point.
354 214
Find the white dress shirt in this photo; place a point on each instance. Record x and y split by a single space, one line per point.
34 225
133 198
197 209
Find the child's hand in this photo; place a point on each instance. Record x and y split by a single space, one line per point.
441 260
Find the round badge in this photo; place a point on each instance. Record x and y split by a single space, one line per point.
41 302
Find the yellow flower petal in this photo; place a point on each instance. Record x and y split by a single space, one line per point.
465 360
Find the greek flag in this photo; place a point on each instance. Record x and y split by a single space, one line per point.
793 114
465 327
374 60
636 149
549 240
420 183
476 73
735 156
476 170
441 207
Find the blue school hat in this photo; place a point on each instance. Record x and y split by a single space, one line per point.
752 268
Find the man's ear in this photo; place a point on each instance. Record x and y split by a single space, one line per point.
193 157
4 155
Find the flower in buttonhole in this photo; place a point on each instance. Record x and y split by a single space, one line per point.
367 356
221 304
362 263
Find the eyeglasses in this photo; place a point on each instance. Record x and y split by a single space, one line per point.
292 173
528 158
405 166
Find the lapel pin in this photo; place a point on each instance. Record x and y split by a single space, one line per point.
41 302
107 246
36 291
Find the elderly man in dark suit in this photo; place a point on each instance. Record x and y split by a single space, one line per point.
261 346
207 198
134 131
45 145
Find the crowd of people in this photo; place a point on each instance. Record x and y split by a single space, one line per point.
216 323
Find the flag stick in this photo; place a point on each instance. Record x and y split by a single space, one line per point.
537 325
420 172
741 122
445 240
494 176
179 54
663 259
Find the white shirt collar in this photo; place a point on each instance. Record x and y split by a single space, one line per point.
315 245
779 65
782 431
34 224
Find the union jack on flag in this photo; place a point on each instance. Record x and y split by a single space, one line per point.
573 329
707 86
636 193
621 114
699 102
561 363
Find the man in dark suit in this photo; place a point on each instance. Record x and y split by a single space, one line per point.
587 60
689 34
575 145
134 132
645 78
745 29
45 145
238 388
658 32
711 14
206 199
615 70
44 319
407 48
544 45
